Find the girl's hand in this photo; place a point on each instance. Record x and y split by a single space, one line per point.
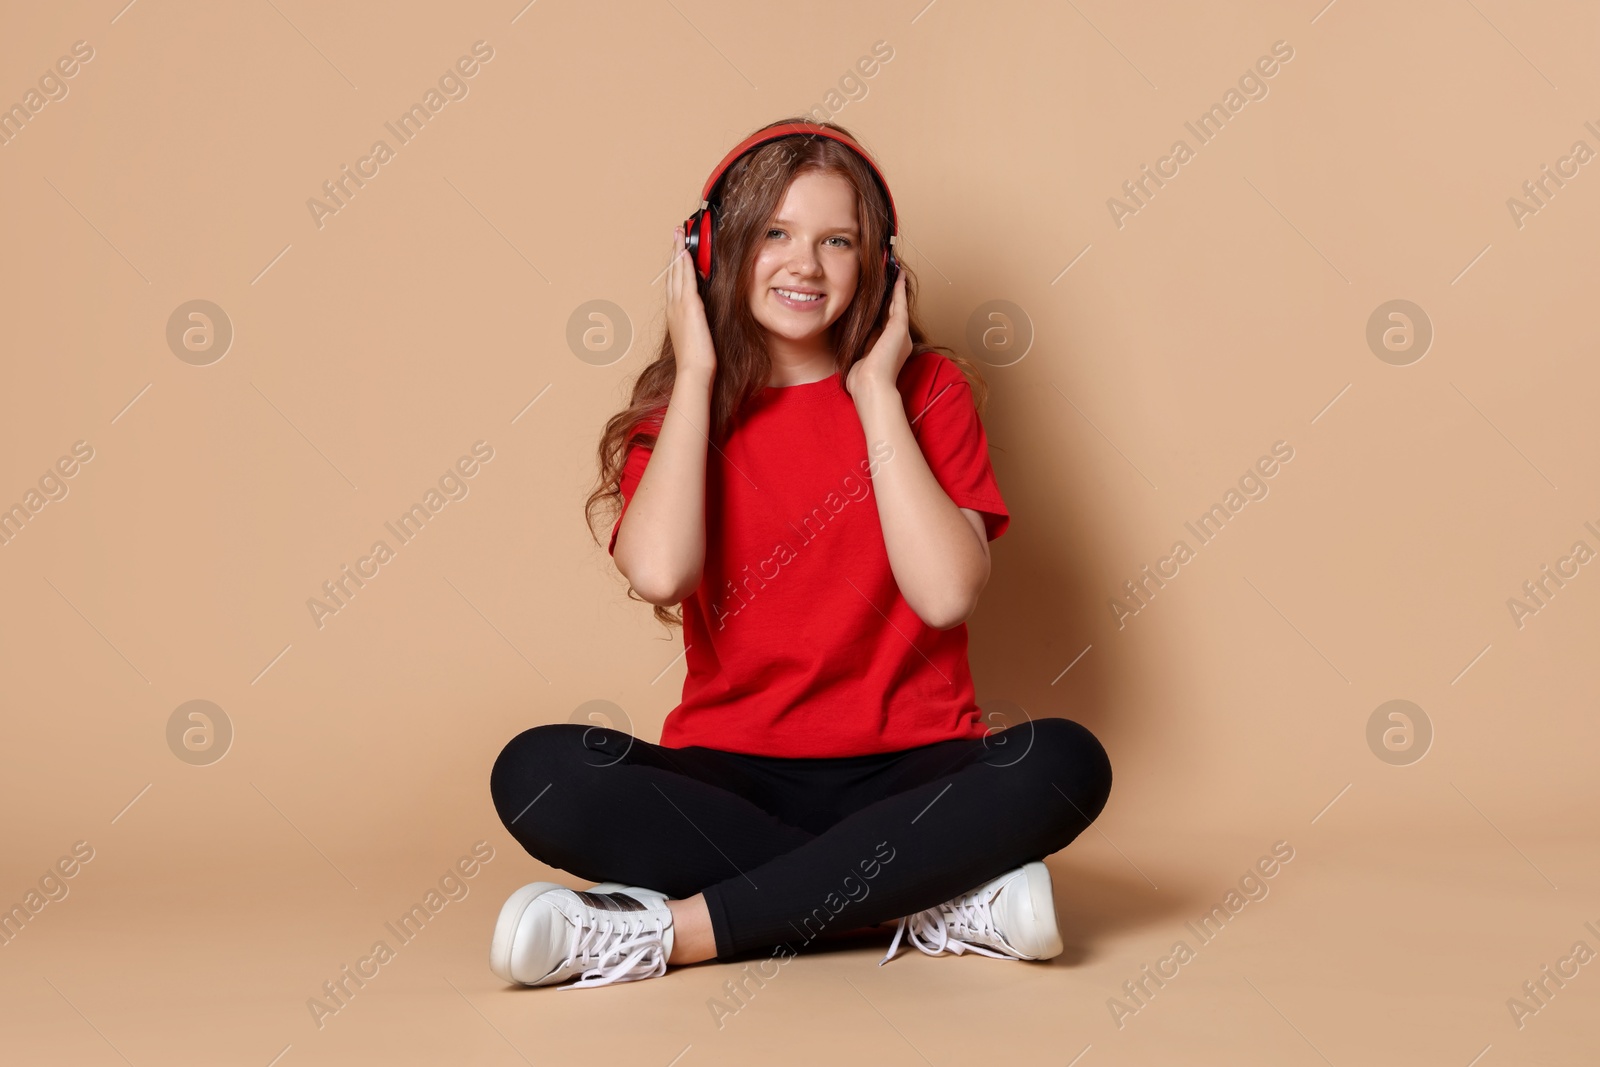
686 314
882 363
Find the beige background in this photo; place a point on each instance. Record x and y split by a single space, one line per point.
430 312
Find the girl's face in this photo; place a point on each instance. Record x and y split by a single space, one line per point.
807 265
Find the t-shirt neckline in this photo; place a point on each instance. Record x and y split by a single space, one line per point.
805 392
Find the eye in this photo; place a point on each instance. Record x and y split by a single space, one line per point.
845 242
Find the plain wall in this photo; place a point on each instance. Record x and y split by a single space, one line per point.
1228 313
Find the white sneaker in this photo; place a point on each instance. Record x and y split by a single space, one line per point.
1011 917
547 934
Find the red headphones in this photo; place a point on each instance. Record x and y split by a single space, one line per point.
698 229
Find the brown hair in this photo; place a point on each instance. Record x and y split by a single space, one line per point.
751 192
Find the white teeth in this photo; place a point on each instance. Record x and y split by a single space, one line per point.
792 295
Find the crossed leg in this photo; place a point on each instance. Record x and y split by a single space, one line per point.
699 825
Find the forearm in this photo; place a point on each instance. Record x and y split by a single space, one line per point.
661 544
938 560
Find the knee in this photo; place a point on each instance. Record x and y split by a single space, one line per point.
556 756
1071 763
530 760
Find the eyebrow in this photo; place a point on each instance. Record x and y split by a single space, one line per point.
851 229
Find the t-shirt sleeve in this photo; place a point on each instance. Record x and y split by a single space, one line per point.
945 422
632 470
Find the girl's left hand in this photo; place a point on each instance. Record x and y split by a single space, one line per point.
882 363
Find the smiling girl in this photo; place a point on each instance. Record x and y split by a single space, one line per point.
809 479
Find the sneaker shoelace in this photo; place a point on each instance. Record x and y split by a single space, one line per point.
951 927
615 948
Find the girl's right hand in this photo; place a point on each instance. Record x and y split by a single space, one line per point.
686 314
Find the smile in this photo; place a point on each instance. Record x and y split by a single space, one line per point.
790 298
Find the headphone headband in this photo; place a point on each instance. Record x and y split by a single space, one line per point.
794 129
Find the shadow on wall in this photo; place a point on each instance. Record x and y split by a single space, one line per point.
1037 644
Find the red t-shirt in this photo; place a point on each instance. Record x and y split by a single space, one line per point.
799 641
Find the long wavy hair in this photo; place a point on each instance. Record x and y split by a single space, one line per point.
752 191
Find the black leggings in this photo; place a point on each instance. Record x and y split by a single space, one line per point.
787 849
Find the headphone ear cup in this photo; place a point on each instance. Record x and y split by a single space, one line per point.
697 242
891 272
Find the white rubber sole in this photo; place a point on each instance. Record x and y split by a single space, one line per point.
505 927
1045 933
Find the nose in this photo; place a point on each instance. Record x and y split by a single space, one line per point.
803 261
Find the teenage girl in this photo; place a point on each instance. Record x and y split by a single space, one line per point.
810 480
